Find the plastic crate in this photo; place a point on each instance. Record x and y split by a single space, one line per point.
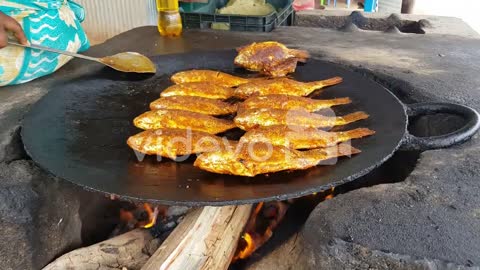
283 16
209 7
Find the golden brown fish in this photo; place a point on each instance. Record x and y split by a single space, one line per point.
262 158
182 120
199 89
211 76
283 86
265 117
194 104
291 103
177 142
301 137
270 58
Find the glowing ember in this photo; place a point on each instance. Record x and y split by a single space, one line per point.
125 215
331 195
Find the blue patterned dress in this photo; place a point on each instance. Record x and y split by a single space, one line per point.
51 23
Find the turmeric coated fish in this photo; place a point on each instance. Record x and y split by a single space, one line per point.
199 89
291 103
270 58
301 137
183 120
284 86
211 76
252 160
177 142
194 104
265 117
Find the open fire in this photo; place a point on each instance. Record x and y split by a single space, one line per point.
263 221
259 229
142 217
132 216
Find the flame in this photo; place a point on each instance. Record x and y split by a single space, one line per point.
248 250
272 214
258 208
253 237
134 217
152 215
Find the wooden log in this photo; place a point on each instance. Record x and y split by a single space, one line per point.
206 239
126 251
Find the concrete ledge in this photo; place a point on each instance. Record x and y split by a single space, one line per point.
338 19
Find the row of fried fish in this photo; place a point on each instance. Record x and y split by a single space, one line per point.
275 113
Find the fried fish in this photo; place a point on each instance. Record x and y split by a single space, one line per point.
177 142
194 104
286 102
301 137
250 160
199 89
211 76
183 120
283 86
270 58
265 117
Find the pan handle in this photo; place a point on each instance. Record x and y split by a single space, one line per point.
461 135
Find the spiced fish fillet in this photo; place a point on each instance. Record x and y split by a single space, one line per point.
265 117
286 102
296 137
177 142
270 58
284 86
262 159
194 104
199 89
212 76
183 120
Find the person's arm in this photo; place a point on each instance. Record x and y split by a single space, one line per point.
9 24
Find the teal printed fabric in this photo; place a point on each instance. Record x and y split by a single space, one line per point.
50 23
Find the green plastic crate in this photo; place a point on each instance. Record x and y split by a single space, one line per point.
208 7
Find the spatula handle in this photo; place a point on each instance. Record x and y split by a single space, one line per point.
33 46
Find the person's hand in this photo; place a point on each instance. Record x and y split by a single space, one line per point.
9 24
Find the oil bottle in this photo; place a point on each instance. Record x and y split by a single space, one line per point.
169 20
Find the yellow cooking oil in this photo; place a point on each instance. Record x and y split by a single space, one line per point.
169 20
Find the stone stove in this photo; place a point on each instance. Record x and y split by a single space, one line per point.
418 211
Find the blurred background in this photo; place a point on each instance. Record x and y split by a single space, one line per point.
108 18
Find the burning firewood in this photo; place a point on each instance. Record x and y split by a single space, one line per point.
129 250
264 219
205 239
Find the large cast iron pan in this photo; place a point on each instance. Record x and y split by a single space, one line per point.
78 132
